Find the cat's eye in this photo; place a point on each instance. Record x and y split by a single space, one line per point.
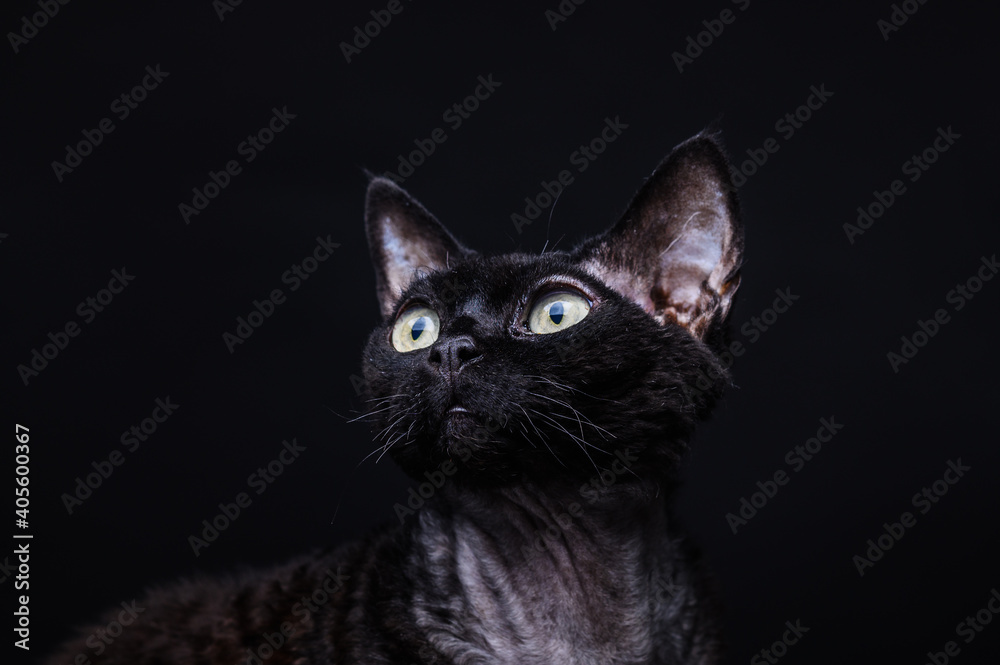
557 311
416 328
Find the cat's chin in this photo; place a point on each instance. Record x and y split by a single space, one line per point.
468 445
463 435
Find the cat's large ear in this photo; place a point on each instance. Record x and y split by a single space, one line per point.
677 249
403 238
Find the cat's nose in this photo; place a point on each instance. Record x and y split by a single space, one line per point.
450 355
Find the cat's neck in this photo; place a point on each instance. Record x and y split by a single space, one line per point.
566 575
562 515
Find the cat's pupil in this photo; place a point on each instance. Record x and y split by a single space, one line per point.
418 327
556 312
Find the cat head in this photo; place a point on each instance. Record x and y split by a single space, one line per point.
550 365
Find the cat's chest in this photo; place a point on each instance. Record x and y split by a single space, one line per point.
489 602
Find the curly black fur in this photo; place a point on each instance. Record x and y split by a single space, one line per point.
551 540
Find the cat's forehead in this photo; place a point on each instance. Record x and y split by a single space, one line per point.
495 281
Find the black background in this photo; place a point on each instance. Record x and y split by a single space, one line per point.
825 357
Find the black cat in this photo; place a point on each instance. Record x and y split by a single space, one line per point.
550 398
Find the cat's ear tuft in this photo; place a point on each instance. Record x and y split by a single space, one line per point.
403 238
677 249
